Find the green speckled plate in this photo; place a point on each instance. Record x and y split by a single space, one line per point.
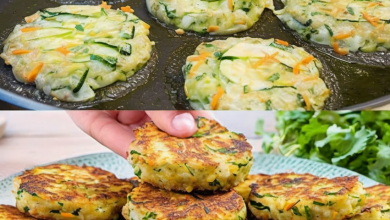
264 163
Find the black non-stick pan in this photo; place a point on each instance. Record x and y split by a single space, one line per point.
357 81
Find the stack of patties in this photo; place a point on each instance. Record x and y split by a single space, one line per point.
61 191
189 178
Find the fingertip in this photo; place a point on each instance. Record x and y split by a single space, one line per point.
184 125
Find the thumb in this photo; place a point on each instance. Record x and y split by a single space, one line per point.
177 123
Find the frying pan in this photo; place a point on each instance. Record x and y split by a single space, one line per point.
357 81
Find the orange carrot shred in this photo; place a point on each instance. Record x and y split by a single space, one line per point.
373 20
29 29
34 73
305 61
265 59
67 214
281 42
334 215
288 206
342 36
146 25
213 28
63 50
339 50
31 18
104 5
230 4
307 102
19 52
216 97
127 9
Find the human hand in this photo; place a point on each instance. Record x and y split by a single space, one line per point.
114 129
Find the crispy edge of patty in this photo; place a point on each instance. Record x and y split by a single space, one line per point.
174 205
8 212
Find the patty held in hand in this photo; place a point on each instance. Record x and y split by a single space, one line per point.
148 202
62 191
212 159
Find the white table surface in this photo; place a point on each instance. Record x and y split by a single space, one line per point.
32 138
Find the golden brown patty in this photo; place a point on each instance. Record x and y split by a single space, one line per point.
62 191
212 159
244 188
378 204
8 212
148 202
304 196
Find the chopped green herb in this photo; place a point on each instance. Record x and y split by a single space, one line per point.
268 105
79 27
134 152
350 10
209 45
55 211
386 210
330 193
61 204
138 173
356 197
264 195
215 183
129 198
198 78
26 209
126 50
157 170
259 206
296 211
149 215
280 211
246 89
318 203
197 134
103 12
20 191
274 77
218 54
329 30
307 212
76 212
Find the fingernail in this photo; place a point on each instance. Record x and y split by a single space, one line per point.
183 121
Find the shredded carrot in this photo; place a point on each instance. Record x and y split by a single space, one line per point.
342 36
67 214
32 18
373 20
34 73
265 59
305 61
372 4
104 5
339 50
334 215
213 28
18 52
202 56
240 22
307 101
127 9
30 29
150 161
194 68
63 50
146 25
230 4
281 42
288 206
216 97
